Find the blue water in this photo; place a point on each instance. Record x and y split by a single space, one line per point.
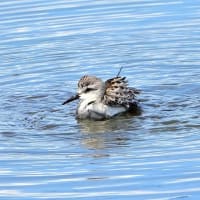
46 46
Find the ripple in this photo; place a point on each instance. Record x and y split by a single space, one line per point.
46 47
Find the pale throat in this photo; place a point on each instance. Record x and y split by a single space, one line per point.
90 98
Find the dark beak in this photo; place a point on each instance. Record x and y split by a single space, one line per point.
71 99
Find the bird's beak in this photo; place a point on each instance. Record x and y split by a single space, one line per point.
71 99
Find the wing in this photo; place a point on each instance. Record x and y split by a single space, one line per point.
117 92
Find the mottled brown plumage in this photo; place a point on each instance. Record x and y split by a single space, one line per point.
117 92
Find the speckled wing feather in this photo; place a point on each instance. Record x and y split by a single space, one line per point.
117 92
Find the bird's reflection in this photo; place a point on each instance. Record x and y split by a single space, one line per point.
91 127
106 134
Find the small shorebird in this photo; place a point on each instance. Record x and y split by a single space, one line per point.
102 100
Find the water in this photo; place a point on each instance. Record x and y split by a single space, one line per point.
46 46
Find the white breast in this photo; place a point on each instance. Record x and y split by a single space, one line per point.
98 110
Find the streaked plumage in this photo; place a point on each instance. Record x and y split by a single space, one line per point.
101 100
117 92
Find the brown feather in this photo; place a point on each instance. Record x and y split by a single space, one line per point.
117 92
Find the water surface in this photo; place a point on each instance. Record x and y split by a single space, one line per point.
46 46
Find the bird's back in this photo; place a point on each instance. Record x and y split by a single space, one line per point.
117 93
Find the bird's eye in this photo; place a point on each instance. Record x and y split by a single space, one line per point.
89 89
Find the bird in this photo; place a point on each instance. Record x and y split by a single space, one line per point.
99 100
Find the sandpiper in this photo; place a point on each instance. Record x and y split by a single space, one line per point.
102 100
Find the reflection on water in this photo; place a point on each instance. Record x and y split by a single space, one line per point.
102 134
46 46
122 123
